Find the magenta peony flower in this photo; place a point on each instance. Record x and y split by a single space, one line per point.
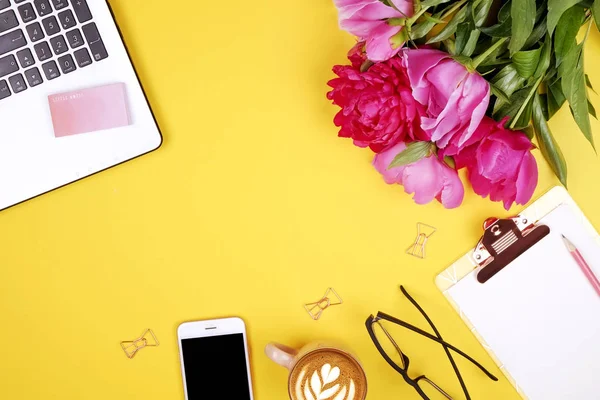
378 109
428 178
501 164
456 99
368 19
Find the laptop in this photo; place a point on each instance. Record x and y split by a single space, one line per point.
71 104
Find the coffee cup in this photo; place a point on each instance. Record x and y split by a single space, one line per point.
320 371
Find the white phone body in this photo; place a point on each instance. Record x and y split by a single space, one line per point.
219 333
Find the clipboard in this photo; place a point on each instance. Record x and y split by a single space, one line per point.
526 301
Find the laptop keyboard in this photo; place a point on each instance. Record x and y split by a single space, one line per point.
41 40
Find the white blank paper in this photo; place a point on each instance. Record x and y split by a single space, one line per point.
541 316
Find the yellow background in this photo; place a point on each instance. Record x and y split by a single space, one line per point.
251 208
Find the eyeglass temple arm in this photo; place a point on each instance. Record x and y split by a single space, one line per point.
436 339
437 333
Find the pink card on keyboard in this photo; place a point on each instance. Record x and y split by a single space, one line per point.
89 110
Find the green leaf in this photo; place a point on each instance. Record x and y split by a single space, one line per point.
545 58
503 97
482 11
556 9
592 109
596 13
523 15
421 29
432 3
589 83
450 162
504 25
556 98
450 29
518 109
508 81
566 32
463 32
529 131
548 145
574 88
526 62
413 153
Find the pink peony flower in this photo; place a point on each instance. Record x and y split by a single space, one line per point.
456 99
428 178
368 19
501 164
378 109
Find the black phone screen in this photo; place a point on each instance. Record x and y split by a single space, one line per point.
215 367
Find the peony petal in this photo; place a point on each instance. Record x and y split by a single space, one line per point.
476 92
453 191
383 160
406 7
378 46
419 62
446 78
424 179
527 179
498 162
480 184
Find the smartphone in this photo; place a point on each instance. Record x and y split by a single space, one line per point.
214 359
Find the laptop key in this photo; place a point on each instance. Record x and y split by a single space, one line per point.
25 58
27 13
82 56
58 44
4 90
75 39
67 19
51 70
51 25
95 41
4 4
66 64
60 4
43 7
12 41
43 51
35 32
17 83
33 77
8 20
8 65
82 10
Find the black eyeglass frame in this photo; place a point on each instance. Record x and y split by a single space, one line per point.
403 370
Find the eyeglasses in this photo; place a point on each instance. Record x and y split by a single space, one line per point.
395 357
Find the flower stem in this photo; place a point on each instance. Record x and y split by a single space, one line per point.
526 102
482 57
415 17
454 8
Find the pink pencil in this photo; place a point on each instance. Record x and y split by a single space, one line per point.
587 271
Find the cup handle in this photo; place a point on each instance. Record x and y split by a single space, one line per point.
280 354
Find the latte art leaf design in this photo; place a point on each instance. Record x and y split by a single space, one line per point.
323 386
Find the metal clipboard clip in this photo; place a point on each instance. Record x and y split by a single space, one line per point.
503 241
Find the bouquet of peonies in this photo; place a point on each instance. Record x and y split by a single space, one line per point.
434 86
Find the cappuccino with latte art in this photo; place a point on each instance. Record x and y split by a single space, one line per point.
327 374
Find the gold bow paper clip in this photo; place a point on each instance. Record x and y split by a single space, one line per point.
315 310
147 339
424 232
